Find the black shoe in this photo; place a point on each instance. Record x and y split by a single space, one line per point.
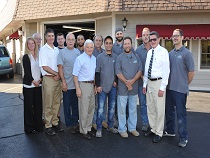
76 128
86 136
149 132
58 128
50 131
92 133
33 132
156 139
72 130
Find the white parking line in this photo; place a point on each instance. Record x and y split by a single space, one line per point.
6 90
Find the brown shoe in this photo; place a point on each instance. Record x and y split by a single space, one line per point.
105 125
94 126
135 133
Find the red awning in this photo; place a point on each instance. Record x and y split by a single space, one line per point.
199 31
14 35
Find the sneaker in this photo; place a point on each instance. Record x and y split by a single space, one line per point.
183 143
58 128
99 134
124 134
135 133
156 139
166 134
113 130
105 125
94 126
50 131
145 128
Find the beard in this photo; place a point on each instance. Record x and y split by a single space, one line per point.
127 51
119 39
80 44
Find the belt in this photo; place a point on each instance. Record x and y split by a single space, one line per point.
155 79
49 75
88 82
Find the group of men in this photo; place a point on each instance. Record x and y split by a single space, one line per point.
97 81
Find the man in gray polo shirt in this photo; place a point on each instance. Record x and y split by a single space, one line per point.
80 43
182 72
128 70
142 52
66 59
106 85
98 41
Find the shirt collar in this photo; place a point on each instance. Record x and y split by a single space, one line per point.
180 49
47 45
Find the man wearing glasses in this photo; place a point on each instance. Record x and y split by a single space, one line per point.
155 81
182 72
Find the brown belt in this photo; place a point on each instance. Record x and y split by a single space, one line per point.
88 82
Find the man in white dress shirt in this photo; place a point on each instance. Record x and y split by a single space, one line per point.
155 80
51 83
84 72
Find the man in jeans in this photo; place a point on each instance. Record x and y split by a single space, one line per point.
128 70
182 72
66 59
106 85
142 52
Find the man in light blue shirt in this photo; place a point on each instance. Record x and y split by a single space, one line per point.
84 73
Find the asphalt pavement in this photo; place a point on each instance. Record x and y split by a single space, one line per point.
15 143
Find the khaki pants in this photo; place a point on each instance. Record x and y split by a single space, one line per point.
52 100
86 107
155 107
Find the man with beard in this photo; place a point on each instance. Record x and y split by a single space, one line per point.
80 43
182 72
118 45
128 70
142 52
155 81
60 40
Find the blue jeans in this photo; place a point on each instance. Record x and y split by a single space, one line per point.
111 107
143 107
121 111
176 100
96 111
70 107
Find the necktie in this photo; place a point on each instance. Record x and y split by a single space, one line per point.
150 64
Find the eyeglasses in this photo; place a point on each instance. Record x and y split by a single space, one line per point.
173 36
39 39
154 39
108 43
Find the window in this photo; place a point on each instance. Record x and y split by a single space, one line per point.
205 54
3 52
169 44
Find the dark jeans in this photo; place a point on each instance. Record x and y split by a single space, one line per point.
32 109
111 107
70 107
176 100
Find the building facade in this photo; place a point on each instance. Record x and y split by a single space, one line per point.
22 18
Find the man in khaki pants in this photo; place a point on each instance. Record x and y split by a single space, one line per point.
156 79
51 83
84 73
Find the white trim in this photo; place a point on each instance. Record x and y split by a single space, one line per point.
113 25
103 17
67 21
199 58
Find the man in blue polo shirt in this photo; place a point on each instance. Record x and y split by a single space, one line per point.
182 72
128 70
